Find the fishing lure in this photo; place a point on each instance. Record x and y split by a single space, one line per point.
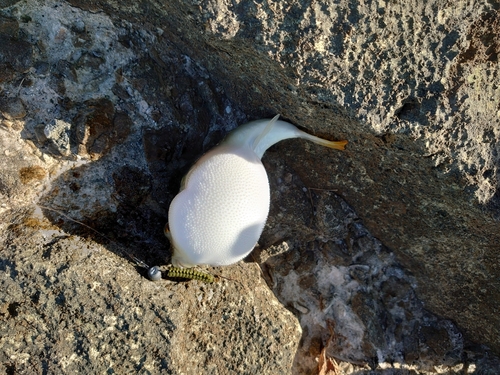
191 274
154 273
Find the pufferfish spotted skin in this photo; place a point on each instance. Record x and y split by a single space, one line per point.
223 204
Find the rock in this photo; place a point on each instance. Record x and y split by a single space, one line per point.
98 128
41 68
385 253
7 3
350 293
6 73
78 26
12 108
9 27
57 132
66 70
15 53
89 311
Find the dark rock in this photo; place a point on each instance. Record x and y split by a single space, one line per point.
9 27
66 70
89 61
6 73
132 185
97 128
42 68
16 53
12 108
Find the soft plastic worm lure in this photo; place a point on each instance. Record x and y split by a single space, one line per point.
155 274
191 274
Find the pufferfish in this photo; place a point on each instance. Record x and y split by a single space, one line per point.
218 216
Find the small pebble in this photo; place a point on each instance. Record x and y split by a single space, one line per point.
78 26
58 132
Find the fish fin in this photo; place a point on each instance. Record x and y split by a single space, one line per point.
266 130
338 145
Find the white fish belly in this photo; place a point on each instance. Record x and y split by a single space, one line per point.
219 216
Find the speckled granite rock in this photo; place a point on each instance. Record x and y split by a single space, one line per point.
387 253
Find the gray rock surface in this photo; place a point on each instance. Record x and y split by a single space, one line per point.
70 305
384 258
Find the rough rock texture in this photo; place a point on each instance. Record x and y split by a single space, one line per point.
71 306
387 254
